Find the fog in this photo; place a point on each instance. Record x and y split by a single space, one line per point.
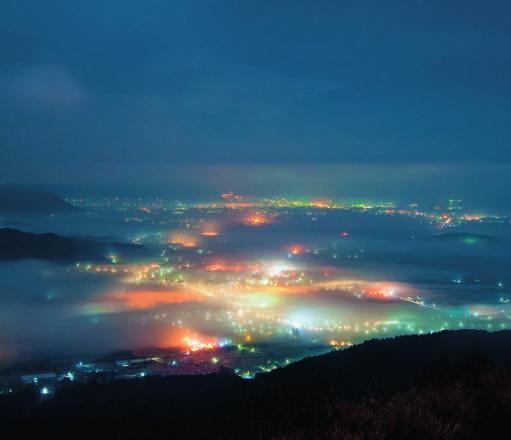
299 277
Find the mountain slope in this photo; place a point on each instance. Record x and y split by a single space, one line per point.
24 200
450 385
16 244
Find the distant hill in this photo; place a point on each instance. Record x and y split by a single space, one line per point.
17 200
16 244
449 385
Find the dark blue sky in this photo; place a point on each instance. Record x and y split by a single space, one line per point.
93 88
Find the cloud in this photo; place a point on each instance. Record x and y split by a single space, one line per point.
44 87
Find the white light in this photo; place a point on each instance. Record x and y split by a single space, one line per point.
277 269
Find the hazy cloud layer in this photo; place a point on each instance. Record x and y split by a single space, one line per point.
158 82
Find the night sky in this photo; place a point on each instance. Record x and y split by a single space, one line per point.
129 91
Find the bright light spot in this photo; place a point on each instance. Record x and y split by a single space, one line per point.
256 219
278 269
183 238
45 391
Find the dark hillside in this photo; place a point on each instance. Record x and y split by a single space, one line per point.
25 200
16 244
450 385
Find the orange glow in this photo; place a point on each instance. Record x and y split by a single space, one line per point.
383 290
183 238
296 249
319 203
335 343
220 266
471 218
188 340
256 219
216 267
209 230
145 299
195 344
231 195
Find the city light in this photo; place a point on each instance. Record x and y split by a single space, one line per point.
271 294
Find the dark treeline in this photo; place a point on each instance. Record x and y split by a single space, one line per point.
451 385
